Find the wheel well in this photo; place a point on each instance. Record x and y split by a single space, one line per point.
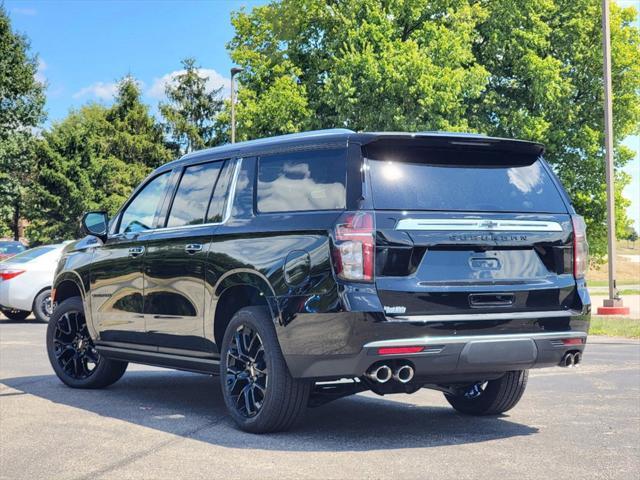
67 289
232 300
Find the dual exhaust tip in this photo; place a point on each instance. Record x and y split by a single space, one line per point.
571 359
383 373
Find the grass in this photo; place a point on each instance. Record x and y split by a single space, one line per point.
605 283
615 326
627 272
629 291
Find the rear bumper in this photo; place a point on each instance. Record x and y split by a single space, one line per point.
454 347
446 358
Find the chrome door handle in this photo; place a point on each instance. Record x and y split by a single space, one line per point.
193 248
136 251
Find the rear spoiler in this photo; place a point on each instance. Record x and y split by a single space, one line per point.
451 148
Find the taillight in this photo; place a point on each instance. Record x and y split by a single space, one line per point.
580 247
354 249
9 274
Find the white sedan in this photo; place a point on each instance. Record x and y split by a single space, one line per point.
25 282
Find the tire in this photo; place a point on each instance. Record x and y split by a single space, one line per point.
259 392
15 315
497 397
71 351
42 306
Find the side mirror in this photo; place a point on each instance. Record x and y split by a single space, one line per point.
96 224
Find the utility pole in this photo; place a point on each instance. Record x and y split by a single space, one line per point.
234 72
613 305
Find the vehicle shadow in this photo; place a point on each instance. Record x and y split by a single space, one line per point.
30 319
191 405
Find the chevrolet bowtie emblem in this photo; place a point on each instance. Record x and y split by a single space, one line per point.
489 224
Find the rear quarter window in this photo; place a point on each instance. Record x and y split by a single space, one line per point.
302 181
464 187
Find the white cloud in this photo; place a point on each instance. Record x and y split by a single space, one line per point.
40 76
214 81
25 11
101 90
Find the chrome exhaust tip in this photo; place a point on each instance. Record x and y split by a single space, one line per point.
381 374
404 374
577 358
568 360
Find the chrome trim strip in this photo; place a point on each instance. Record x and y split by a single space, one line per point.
483 316
227 208
477 224
452 339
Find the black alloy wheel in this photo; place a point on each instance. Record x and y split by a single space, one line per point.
258 390
247 375
71 350
73 347
491 397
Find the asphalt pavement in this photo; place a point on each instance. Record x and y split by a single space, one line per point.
163 424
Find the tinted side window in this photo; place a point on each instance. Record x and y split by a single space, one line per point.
140 213
302 181
194 191
219 197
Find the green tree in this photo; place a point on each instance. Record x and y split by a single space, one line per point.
21 109
92 160
191 109
630 235
529 69
364 64
545 84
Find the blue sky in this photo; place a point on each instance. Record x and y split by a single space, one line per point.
86 46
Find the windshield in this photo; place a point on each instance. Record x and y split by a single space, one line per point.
465 187
29 255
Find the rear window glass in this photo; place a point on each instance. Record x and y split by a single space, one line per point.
494 188
29 255
302 181
11 248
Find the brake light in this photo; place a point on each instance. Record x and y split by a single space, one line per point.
9 274
580 247
572 341
354 246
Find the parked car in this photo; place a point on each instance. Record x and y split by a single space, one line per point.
308 267
9 248
25 282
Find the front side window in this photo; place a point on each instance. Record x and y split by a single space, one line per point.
139 214
194 192
302 181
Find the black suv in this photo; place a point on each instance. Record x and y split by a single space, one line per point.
308 267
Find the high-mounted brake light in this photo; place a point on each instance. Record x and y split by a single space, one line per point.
580 247
354 248
9 274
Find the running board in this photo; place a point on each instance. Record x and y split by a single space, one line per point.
157 359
